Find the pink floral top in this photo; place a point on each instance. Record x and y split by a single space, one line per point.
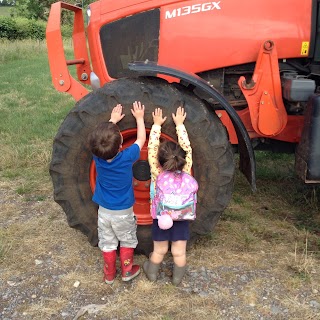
153 145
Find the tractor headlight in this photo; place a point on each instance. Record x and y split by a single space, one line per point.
88 15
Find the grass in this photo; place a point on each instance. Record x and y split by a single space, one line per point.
274 230
31 112
5 11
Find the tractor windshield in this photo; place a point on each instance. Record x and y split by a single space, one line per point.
134 38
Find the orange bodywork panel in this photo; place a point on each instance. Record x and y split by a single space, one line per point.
197 36
263 93
291 132
61 77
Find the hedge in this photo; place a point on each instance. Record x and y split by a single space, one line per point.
22 28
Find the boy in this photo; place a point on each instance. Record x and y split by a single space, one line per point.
114 191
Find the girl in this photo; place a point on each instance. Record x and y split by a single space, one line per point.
168 156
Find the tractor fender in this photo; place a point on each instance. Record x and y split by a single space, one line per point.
247 164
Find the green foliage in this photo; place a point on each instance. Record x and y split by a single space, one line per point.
5 3
37 30
28 18
5 11
21 28
66 31
31 9
8 28
39 9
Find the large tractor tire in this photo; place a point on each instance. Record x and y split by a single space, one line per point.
71 166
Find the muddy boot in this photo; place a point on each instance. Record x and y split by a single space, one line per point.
151 270
178 273
109 266
129 271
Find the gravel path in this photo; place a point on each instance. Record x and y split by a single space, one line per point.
268 301
57 275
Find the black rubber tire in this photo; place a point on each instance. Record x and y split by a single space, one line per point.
213 162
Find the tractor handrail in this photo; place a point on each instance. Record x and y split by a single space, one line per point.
61 77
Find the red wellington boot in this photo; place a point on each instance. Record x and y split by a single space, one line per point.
109 268
129 271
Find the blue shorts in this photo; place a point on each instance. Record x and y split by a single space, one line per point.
179 231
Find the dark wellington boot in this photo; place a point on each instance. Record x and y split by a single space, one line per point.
178 273
151 270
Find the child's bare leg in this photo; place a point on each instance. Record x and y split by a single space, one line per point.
178 250
160 248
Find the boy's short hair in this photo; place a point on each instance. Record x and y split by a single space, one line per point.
105 140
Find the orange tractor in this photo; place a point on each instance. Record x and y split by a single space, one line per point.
247 74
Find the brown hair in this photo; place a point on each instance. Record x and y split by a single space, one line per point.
105 140
171 156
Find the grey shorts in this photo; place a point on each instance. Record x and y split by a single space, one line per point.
116 226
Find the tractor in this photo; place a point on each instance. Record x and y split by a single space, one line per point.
246 72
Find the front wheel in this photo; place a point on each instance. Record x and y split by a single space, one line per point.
73 173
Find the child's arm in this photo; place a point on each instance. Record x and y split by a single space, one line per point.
183 137
138 113
154 141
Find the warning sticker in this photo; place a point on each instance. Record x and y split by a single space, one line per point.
305 48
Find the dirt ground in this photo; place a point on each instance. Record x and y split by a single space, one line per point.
257 265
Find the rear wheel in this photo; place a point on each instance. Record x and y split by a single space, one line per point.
72 170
